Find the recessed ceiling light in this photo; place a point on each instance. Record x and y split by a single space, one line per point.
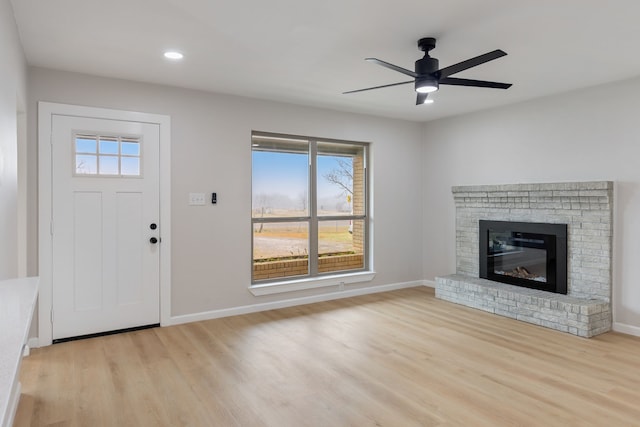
172 54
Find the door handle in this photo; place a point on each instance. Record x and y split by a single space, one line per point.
153 240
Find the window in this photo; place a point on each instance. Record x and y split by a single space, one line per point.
309 207
106 155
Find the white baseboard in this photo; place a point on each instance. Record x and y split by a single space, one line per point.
626 329
429 283
254 308
33 343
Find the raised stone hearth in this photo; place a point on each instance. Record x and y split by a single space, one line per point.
586 208
577 316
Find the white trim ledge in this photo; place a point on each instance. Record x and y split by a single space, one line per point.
626 329
311 283
235 311
19 296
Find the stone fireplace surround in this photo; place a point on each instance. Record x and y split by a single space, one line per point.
586 208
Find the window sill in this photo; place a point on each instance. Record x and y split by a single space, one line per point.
311 283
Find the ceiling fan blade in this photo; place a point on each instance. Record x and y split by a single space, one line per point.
392 67
476 83
469 63
421 98
378 87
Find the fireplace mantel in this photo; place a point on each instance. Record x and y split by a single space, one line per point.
585 207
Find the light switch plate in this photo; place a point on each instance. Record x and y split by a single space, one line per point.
196 199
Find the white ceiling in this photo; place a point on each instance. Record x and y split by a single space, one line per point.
309 52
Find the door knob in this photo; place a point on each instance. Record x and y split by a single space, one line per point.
153 240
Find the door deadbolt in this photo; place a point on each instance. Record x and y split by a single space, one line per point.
153 226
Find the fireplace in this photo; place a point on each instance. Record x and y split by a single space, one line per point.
532 255
584 279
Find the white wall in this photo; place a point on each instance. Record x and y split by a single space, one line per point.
211 152
587 135
12 99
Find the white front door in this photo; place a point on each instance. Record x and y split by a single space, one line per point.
105 225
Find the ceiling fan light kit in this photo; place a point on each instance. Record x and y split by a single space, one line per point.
426 85
427 76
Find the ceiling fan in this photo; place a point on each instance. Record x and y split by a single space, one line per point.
427 77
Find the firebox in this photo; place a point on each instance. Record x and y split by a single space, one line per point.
532 255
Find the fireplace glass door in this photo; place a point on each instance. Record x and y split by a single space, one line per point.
531 255
521 255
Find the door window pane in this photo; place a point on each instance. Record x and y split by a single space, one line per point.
108 165
85 144
86 164
108 146
130 166
130 148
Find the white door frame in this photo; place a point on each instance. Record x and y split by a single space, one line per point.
46 111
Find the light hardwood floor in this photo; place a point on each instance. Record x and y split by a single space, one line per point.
401 358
